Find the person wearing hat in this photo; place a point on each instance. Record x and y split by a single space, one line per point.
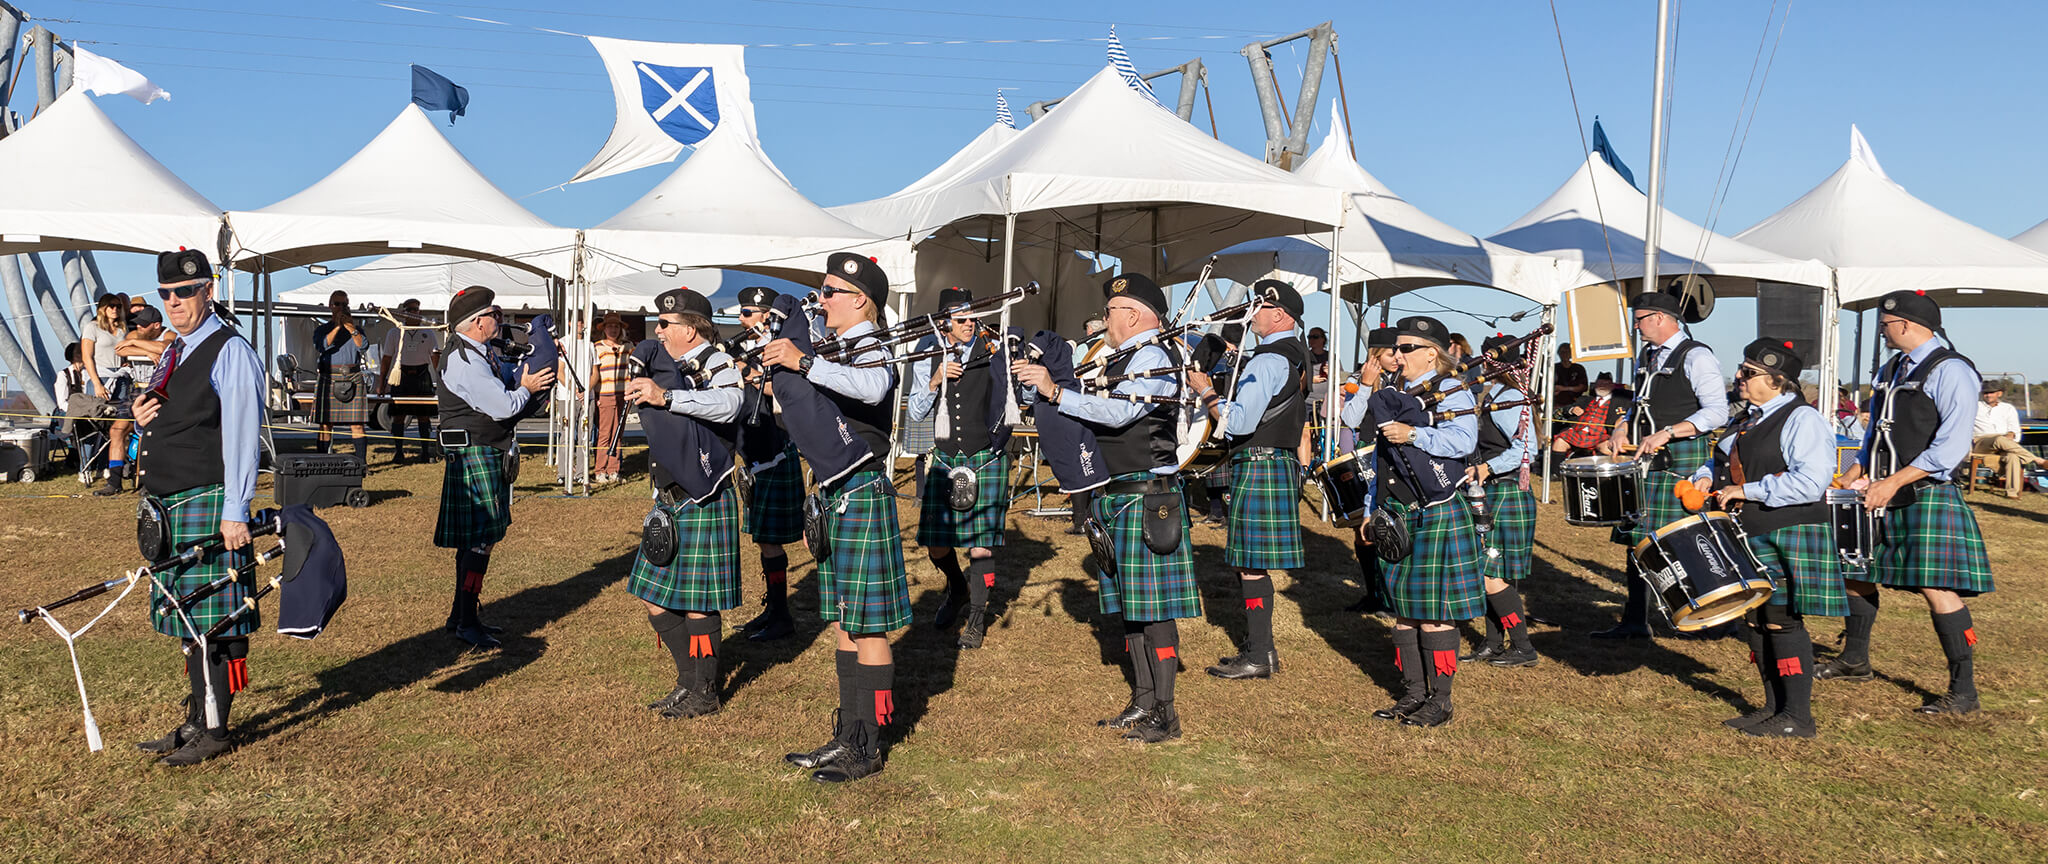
1772 473
1922 402
479 425
1507 441
201 413
775 498
608 385
1263 417
1679 399
1374 374
691 575
1997 432
1438 583
862 588
964 389
99 340
1218 353
405 370
343 400
144 344
1592 419
1151 590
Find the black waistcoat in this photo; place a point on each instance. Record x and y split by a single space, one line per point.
1148 442
1906 417
1664 395
1284 418
457 413
1493 440
181 449
690 452
1763 453
872 423
967 402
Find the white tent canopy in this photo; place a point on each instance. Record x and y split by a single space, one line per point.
76 181
1879 239
728 206
899 214
408 189
1569 225
433 279
2035 238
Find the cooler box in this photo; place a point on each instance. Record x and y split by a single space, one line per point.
320 480
24 455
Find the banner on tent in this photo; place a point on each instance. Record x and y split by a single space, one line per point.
669 95
1598 315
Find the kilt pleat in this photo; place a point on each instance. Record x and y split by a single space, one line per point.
1514 531
704 576
1660 507
1147 587
862 583
775 502
1934 543
939 524
334 411
1265 513
1439 580
1807 566
476 497
195 514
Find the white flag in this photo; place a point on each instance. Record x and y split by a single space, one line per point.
670 95
100 76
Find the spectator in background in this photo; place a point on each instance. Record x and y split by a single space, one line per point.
141 349
1319 355
74 388
1998 432
1593 419
97 347
608 379
1568 383
1850 418
405 369
341 398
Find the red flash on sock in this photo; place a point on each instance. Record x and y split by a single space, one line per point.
473 581
1446 662
776 577
1254 603
1752 658
885 707
1510 621
1397 660
1788 667
1167 651
238 675
700 645
1970 636
989 579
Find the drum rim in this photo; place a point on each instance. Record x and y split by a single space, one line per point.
1842 496
1596 466
1763 595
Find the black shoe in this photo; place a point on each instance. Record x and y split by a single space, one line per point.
453 626
1514 658
1836 670
1132 715
664 702
780 626
1485 653
950 605
477 636
197 750
1950 703
1248 666
976 628
767 616
691 703
172 740
862 755
1623 631
1430 714
1076 530
825 754
1745 721
1781 726
1400 709
112 488
1162 725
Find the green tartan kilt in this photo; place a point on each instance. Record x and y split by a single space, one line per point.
1807 566
1265 513
476 497
1439 580
1514 531
1660 506
1933 544
704 576
939 524
334 411
195 514
775 503
1147 587
862 583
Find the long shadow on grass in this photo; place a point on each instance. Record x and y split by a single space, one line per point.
1323 589
2003 509
1572 646
745 659
429 653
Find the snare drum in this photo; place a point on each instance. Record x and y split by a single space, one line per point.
1703 572
1600 490
1855 527
1346 482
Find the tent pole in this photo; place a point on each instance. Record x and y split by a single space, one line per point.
1856 367
1011 415
1331 404
1654 225
1830 345
1549 377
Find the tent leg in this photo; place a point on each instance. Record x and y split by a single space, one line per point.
1549 378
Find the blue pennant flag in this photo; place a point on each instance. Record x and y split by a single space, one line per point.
1003 114
1607 154
1121 60
432 92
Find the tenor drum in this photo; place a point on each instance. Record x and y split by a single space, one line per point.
1703 572
1199 446
1346 482
1600 490
1855 526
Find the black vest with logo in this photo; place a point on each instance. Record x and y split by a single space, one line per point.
1669 398
1148 442
872 423
1761 448
1906 417
181 448
1284 418
1493 440
691 452
457 413
967 402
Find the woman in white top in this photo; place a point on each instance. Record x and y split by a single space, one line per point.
96 346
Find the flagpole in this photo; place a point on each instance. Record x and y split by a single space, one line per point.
1653 230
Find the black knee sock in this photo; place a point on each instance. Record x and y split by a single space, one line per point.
1792 650
1636 612
775 576
363 448
1408 659
704 638
227 663
1760 656
1162 646
847 663
1143 692
877 699
1856 633
669 628
1258 616
956 584
470 567
1369 576
980 577
1506 606
1440 658
1958 641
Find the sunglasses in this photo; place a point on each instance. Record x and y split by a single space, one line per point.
827 292
660 324
183 292
1410 349
1745 373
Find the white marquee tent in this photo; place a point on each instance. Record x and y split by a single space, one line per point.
899 214
432 279
76 181
2035 238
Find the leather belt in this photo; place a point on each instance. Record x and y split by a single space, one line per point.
1142 487
1257 454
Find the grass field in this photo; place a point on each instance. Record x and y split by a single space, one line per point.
386 739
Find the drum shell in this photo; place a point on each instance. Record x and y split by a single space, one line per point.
1600 491
1346 483
1702 571
1855 526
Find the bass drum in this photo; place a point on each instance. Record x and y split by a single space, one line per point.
1346 482
1200 447
1703 572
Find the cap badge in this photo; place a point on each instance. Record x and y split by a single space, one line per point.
190 267
1770 358
1120 284
1891 304
851 266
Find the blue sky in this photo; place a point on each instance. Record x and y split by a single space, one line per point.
1462 107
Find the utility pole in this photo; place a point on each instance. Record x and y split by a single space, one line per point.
1287 141
1192 74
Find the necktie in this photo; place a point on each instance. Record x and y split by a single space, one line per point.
161 379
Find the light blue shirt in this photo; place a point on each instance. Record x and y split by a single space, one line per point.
237 378
720 401
1707 384
343 353
1954 387
1354 407
869 385
924 399
1262 379
1457 437
1509 420
469 376
1809 447
1118 413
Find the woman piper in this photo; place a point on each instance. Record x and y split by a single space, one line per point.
1776 468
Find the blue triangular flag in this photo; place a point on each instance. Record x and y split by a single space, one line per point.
432 92
1607 154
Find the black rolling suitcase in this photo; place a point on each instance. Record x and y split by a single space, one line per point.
320 480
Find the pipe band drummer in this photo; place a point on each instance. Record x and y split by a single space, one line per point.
1772 472
1507 441
1141 510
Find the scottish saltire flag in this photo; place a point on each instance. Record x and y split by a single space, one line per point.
1121 61
432 92
1607 154
1003 114
669 95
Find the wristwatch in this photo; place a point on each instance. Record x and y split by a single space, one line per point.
804 365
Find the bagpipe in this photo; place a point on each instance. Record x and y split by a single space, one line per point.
813 422
696 454
527 348
1493 365
1067 445
313 581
